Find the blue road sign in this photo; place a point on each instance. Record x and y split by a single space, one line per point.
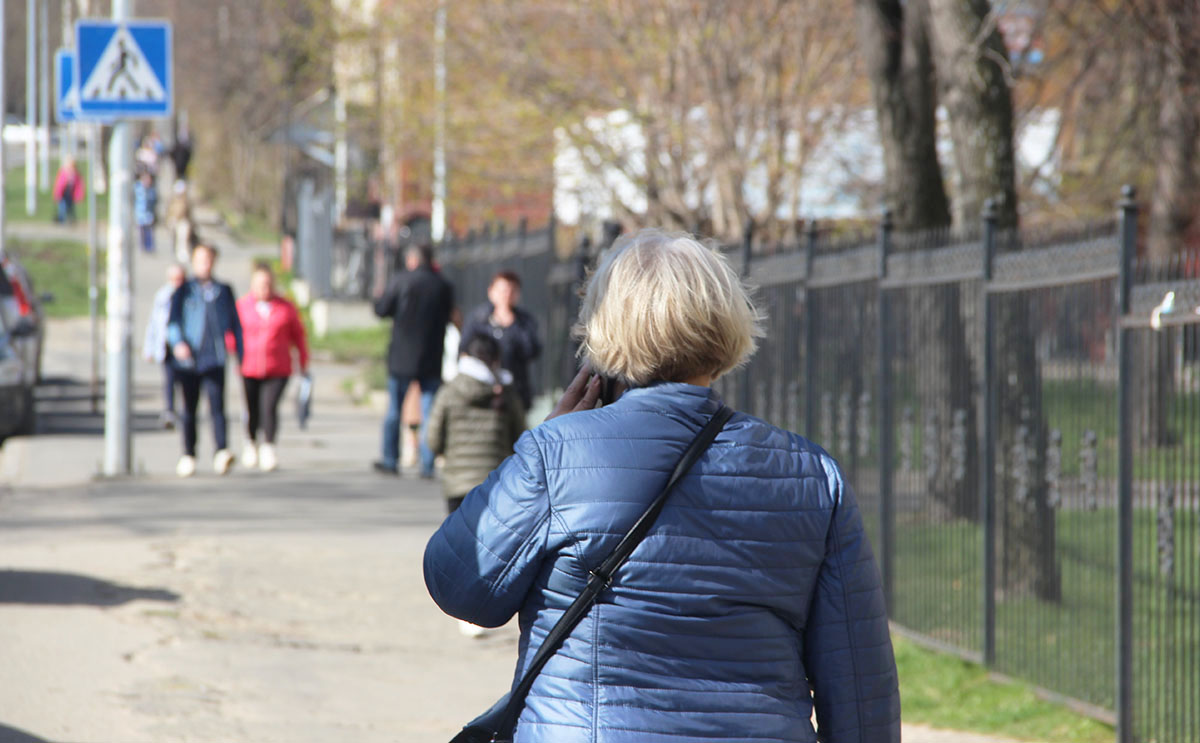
123 69
66 96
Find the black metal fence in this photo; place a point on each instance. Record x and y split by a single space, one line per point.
1019 413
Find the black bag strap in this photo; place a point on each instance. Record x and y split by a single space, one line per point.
600 578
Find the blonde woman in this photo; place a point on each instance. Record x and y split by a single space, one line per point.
753 600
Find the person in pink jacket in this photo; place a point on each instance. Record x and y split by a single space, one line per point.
68 190
271 328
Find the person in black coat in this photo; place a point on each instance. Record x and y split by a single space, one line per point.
420 303
514 329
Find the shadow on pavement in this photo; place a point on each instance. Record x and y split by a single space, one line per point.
66 589
12 735
64 407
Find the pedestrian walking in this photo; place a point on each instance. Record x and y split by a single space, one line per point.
146 157
145 206
155 346
68 190
753 596
475 420
203 326
271 329
419 302
179 219
514 328
181 152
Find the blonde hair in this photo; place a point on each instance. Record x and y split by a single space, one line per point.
661 306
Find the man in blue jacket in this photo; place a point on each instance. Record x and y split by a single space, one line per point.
203 316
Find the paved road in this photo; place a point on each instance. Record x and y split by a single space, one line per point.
286 607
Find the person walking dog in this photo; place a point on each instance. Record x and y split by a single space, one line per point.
752 599
271 328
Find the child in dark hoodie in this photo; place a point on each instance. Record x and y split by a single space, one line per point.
475 420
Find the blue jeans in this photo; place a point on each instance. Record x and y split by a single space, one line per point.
66 209
397 389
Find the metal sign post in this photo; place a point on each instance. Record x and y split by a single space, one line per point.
123 71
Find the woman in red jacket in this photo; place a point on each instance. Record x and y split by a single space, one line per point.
271 327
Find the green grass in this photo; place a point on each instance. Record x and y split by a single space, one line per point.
945 692
250 227
364 346
356 344
59 267
1068 646
14 195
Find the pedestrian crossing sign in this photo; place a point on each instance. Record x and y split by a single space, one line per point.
123 69
66 95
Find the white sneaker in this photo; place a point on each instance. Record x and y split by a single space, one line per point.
266 458
250 456
222 461
470 630
186 466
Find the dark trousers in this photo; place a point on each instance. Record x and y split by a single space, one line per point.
147 233
213 382
262 405
169 387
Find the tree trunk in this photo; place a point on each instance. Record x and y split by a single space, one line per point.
1172 209
979 104
1026 528
947 393
892 37
1173 205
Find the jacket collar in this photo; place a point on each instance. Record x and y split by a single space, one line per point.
673 397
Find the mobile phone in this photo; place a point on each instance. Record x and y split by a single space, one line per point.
609 391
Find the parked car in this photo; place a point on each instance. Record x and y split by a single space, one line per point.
23 306
18 370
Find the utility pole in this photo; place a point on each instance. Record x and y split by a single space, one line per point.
31 107
69 132
118 438
44 116
3 147
438 212
341 156
93 245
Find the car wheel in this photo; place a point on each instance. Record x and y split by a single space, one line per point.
29 419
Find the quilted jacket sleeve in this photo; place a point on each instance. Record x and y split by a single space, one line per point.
483 559
847 647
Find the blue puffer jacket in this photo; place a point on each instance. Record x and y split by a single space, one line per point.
754 598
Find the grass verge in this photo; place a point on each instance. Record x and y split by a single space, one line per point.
14 197
59 267
366 347
946 692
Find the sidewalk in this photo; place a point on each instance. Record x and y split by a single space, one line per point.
287 607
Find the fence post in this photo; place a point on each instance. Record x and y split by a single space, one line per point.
987 439
1125 428
887 509
810 334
